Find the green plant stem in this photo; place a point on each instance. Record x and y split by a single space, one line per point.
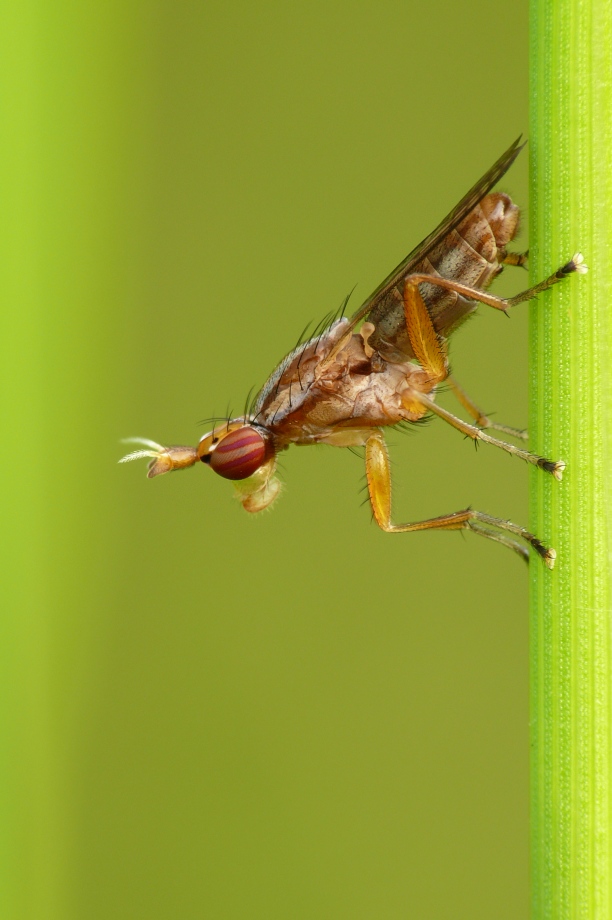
571 418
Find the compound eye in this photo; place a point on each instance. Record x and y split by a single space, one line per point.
239 454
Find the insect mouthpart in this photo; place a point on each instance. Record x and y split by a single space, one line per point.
235 451
163 459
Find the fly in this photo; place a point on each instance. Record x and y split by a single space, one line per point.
381 368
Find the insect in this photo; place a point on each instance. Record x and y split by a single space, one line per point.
380 368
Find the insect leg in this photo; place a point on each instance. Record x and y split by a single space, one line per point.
555 467
379 487
429 348
519 259
576 264
482 420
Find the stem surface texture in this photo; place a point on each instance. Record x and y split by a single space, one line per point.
571 419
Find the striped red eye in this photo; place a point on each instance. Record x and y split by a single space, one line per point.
239 454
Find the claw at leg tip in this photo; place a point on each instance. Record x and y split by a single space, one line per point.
558 470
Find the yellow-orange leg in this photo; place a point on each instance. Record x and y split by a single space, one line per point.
576 264
429 348
555 467
379 486
519 259
482 420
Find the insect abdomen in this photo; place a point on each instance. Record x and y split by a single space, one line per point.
471 255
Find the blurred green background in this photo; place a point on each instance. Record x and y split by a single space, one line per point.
211 715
